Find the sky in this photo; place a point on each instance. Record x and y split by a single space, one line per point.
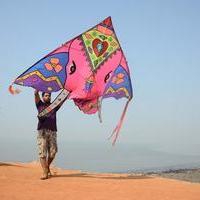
161 41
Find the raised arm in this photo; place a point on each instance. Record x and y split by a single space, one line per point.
37 97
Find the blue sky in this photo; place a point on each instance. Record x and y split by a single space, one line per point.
161 40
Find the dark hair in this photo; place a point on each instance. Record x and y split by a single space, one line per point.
43 93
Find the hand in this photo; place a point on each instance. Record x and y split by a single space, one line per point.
36 91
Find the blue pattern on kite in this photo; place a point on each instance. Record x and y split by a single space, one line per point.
119 84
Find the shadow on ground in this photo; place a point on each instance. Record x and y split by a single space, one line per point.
86 175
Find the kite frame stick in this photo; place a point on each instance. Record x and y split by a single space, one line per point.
58 100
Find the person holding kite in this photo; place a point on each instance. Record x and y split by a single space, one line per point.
86 69
47 133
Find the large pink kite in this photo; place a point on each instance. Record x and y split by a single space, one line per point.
87 69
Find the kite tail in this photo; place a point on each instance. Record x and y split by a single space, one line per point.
116 131
13 91
99 110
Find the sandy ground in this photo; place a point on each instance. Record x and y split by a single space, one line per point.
21 181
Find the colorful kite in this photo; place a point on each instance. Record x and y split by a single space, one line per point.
87 69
